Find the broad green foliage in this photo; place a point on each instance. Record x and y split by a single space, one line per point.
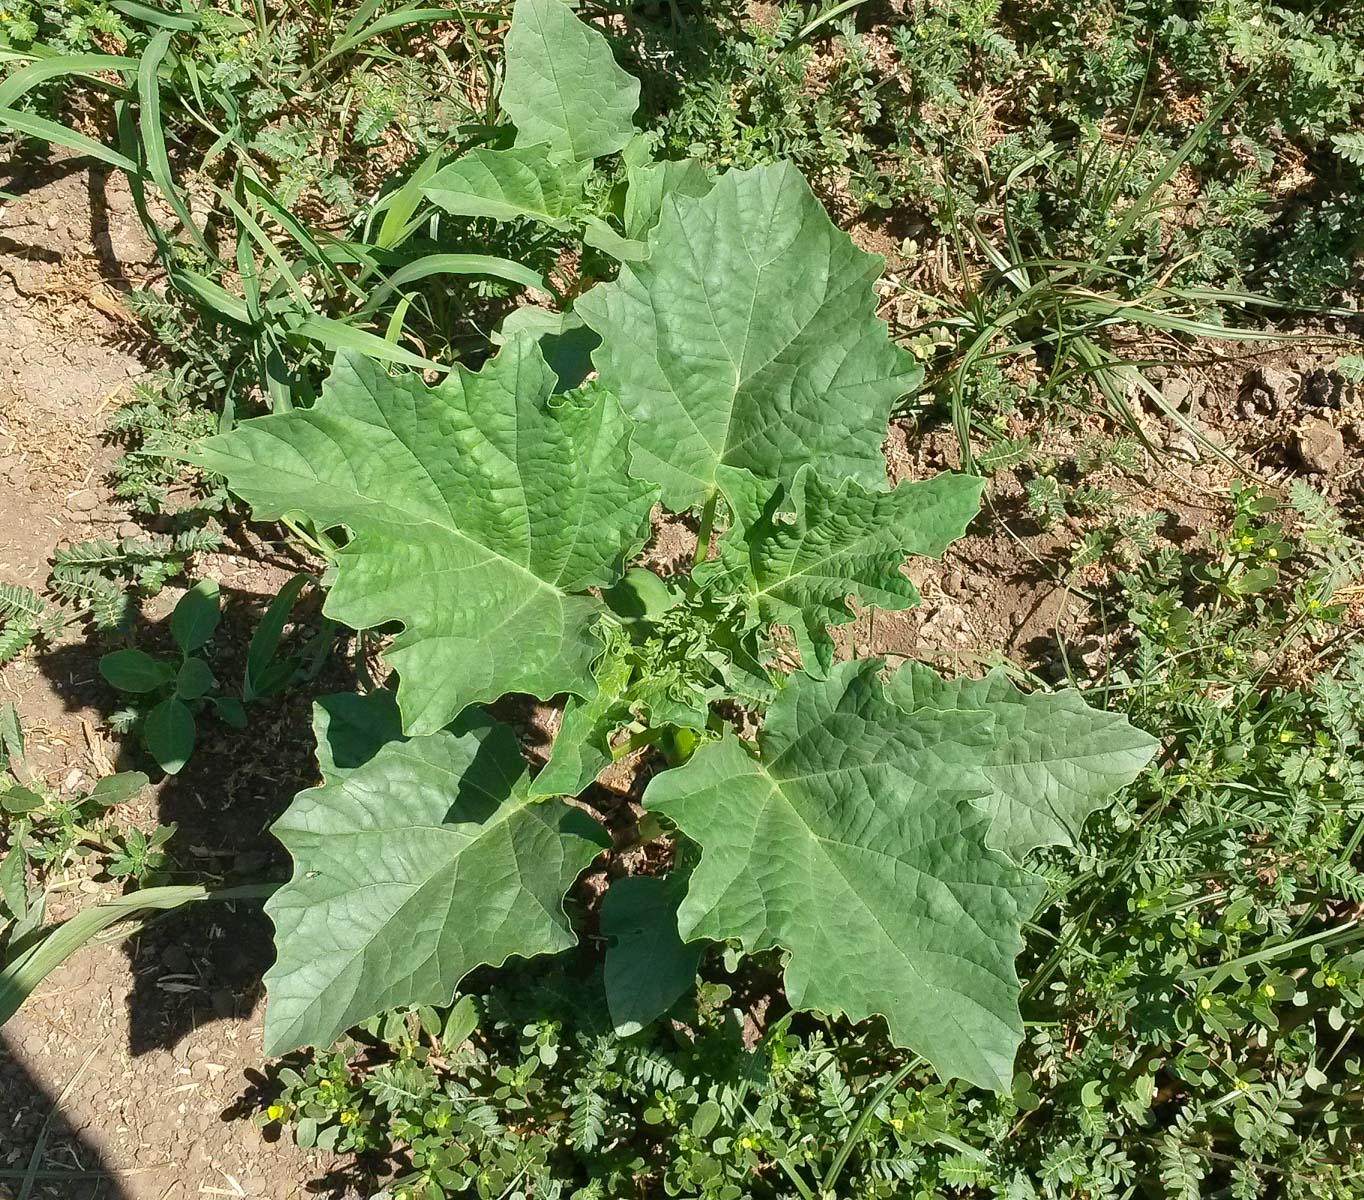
505 184
797 553
563 86
481 511
853 843
1054 761
749 338
411 869
648 966
741 367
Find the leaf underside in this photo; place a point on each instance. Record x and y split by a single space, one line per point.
749 338
480 511
411 869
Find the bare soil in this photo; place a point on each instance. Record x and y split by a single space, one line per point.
130 1075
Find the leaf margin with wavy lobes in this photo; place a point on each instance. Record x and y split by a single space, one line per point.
562 84
861 537
453 490
1057 759
830 369
844 958
443 818
521 181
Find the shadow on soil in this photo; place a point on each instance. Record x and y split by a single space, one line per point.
204 962
41 1156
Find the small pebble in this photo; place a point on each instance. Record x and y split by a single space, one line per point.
83 501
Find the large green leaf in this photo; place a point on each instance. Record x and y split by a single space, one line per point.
506 184
854 844
648 967
1054 760
563 86
480 509
797 553
649 184
749 338
410 870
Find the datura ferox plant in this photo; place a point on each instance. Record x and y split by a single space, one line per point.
877 830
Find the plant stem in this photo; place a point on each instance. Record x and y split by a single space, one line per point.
704 530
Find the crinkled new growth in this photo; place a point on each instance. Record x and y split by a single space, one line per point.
480 511
797 553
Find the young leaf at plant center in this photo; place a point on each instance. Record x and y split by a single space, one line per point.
582 746
649 184
852 843
410 870
194 679
648 967
168 734
564 340
135 671
508 184
1055 759
196 616
749 338
795 554
563 86
481 510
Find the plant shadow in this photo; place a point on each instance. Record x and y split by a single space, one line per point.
43 1154
205 962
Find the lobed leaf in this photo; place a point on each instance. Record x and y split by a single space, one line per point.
1054 761
749 338
797 553
412 868
480 511
563 86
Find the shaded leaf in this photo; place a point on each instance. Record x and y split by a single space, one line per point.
168 734
196 616
648 967
135 671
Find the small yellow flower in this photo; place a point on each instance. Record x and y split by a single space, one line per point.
1332 980
897 1123
346 1116
1205 1004
324 1085
274 1112
1269 990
